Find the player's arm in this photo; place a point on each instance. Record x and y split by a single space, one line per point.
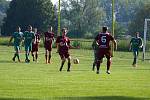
11 38
141 43
93 44
115 44
130 45
57 44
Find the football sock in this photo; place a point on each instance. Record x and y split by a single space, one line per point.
14 56
26 56
36 56
98 65
69 64
18 57
134 61
62 64
108 64
33 56
49 58
93 66
46 58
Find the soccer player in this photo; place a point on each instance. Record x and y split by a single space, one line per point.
28 39
103 39
17 36
95 48
48 40
63 46
35 45
135 44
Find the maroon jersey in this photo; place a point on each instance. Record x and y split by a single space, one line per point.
49 36
37 38
103 40
64 43
35 43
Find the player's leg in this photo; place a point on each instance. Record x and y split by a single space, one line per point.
135 58
108 65
98 65
27 48
95 60
18 53
32 53
100 55
36 52
108 55
49 56
69 63
36 55
63 60
46 53
15 54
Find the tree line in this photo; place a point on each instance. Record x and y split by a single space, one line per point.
83 18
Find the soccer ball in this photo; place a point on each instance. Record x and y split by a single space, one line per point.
76 61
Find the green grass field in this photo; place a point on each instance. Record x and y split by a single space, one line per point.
40 81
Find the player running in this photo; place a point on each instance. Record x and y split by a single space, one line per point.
95 48
17 36
28 39
48 40
103 39
63 46
35 45
135 44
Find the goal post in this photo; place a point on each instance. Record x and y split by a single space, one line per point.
145 37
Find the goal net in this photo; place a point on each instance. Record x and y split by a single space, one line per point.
146 41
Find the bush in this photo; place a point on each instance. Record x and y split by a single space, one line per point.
88 35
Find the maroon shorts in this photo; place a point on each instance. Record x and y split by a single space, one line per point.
35 47
104 53
64 55
48 47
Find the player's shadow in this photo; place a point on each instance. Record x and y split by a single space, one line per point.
102 98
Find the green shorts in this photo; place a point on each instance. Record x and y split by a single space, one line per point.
17 47
28 47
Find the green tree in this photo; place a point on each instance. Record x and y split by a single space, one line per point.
38 13
138 23
81 16
3 7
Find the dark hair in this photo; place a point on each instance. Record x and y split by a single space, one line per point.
17 27
63 29
137 33
29 26
105 28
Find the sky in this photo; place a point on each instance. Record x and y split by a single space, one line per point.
54 1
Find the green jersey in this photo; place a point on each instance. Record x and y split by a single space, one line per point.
136 43
28 37
17 38
95 46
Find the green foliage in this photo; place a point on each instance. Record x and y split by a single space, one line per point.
76 44
138 23
88 35
38 13
82 15
3 7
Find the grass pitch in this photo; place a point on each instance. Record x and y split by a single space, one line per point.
40 81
